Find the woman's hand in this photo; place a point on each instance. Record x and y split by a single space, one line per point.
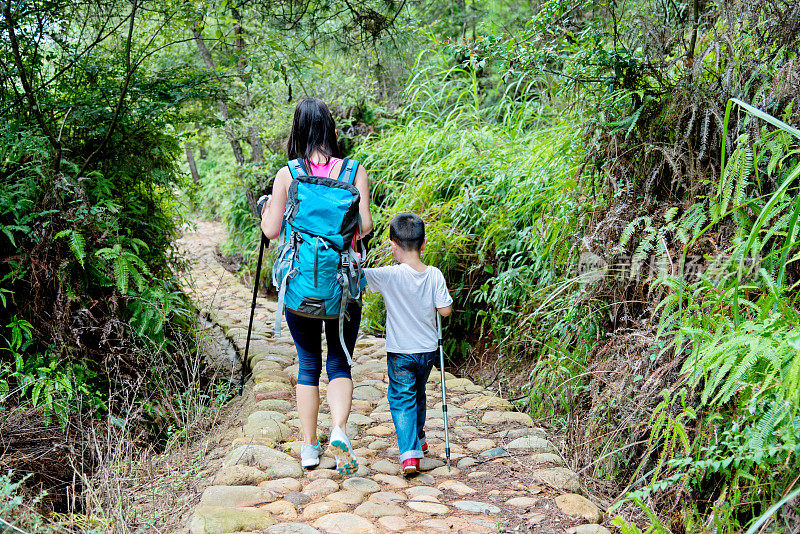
272 212
265 207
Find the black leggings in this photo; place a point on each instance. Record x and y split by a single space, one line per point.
307 335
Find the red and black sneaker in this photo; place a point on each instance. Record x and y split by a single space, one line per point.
410 466
424 447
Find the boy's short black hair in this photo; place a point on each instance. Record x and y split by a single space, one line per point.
408 231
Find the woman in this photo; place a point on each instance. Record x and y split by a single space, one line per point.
313 138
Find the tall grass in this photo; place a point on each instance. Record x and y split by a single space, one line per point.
502 203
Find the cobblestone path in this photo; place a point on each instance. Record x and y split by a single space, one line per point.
505 474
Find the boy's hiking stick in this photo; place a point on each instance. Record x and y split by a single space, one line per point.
261 247
444 395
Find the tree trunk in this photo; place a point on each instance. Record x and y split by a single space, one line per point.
256 146
192 163
205 53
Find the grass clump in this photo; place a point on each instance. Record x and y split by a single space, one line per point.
502 205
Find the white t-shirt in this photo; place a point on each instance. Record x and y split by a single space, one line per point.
411 300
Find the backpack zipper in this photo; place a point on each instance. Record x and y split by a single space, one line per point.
316 259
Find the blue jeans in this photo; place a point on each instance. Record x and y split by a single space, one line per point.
307 335
408 374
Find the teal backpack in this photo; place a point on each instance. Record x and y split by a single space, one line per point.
317 273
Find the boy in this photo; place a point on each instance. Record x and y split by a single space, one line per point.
413 293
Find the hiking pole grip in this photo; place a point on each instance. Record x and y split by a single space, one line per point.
264 243
444 394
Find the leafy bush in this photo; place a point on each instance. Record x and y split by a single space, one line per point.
501 206
735 328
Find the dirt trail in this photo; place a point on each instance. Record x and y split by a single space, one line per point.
505 475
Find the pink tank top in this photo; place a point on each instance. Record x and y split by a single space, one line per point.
323 169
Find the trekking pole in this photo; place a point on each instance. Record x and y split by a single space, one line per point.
264 243
444 395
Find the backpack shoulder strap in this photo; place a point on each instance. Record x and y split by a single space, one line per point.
297 168
348 172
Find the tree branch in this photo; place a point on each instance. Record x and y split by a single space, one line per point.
129 70
205 54
26 86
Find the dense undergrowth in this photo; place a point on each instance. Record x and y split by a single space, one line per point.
99 358
97 331
501 202
616 229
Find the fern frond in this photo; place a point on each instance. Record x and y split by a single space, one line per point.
643 251
725 385
780 225
137 244
769 282
792 380
767 425
728 181
77 244
628 231
122 272
745 169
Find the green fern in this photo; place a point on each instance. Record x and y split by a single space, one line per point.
77 244
734 178
653 240
691 223
767 425
643 250
127 266
739 358
744 170
656 526
631 227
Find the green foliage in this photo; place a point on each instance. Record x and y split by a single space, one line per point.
736 327
527 134
626 527
77 244
16 512
127 264
653 127
488 196
87 208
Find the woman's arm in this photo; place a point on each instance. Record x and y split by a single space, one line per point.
272 216
362 184
445 311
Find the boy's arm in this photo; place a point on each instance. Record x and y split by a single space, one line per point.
374 278
442 299
445 311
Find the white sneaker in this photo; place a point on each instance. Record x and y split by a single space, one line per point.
309 455
346 462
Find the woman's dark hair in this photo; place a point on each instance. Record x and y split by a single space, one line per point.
313 128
